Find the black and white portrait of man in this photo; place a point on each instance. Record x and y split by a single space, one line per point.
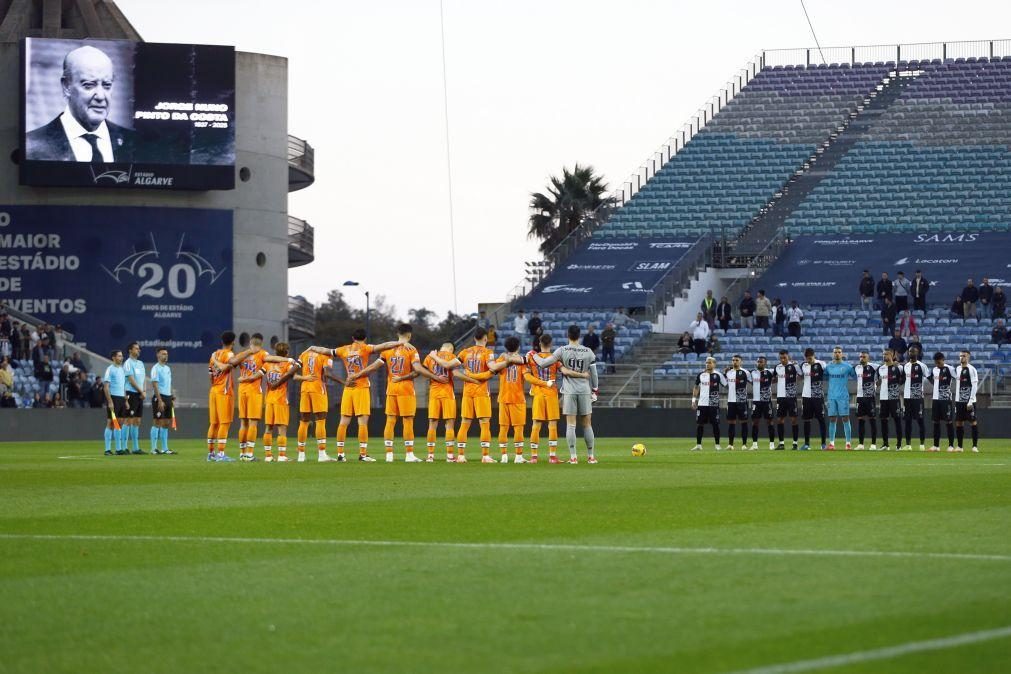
83 131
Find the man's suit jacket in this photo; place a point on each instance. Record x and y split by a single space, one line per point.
50 143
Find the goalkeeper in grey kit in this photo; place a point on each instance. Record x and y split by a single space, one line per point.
578 389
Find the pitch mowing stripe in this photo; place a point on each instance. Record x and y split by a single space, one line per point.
881 653
558 547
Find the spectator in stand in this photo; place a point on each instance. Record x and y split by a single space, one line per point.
866 290
535 327
6 377
724 313
75 390
794 316
708 308
5 347
957 309
700 333
620 318
492 336
763 310
970 295
747 309
591 340
915 345
520 325
999 333
15 340
58 402
985 293
37 402
907 324
919 288
714 346
85 388
901 285
76 361
44 371
5 325
898 345
96 397
685 343
778 313
39 350
999 303
884 289
59 342
482 320
888 315
607 338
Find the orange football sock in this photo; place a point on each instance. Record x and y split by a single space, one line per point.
268 443
363 439
518 439
282 444
212 437
222 436
408 429
321 434
552 439
303 433
388 431
242 439
503 439
485 437
461 434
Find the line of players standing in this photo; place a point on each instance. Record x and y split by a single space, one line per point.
886 391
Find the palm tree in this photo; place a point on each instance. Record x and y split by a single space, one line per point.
568 202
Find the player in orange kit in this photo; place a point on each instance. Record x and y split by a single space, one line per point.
221 400
356 400
544 389
477 368
512 404
441 403
313 403
250 397
277 376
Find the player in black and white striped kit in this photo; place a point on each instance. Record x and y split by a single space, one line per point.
867 377
761 401
706 402
737 402
943 377
787 373
915 372
813 396
966 386
890 379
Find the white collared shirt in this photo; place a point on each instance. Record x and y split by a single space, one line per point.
81 147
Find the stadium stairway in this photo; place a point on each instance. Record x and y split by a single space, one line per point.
856 127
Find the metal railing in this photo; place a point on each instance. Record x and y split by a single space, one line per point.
884 53
757 265
301 242
301 318
301 164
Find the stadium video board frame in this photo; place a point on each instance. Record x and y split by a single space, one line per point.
127 115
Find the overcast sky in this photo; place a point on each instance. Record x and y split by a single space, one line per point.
533 85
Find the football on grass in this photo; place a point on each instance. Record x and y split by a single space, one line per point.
638 449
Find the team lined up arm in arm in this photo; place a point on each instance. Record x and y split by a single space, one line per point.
420 370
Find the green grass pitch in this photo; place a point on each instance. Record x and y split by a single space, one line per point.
674 562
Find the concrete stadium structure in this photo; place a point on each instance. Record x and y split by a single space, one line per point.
269 164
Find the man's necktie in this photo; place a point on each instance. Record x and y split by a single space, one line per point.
96 154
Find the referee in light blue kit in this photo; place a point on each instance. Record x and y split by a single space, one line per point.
114 383
162 405
135 375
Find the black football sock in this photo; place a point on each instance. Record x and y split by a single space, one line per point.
698 434
861 425
772 432
937 434
884 432
781 429
959 435
821 427
796 432
807 432
874 430
923 430
951 435
909 429
975 435
898 431
716 432
731 432
754 432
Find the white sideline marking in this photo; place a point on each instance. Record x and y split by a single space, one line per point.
555 547
82 457
881 653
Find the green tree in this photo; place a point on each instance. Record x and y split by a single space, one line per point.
569 200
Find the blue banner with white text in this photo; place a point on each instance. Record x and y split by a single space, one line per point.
110 276
609 273
827 270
